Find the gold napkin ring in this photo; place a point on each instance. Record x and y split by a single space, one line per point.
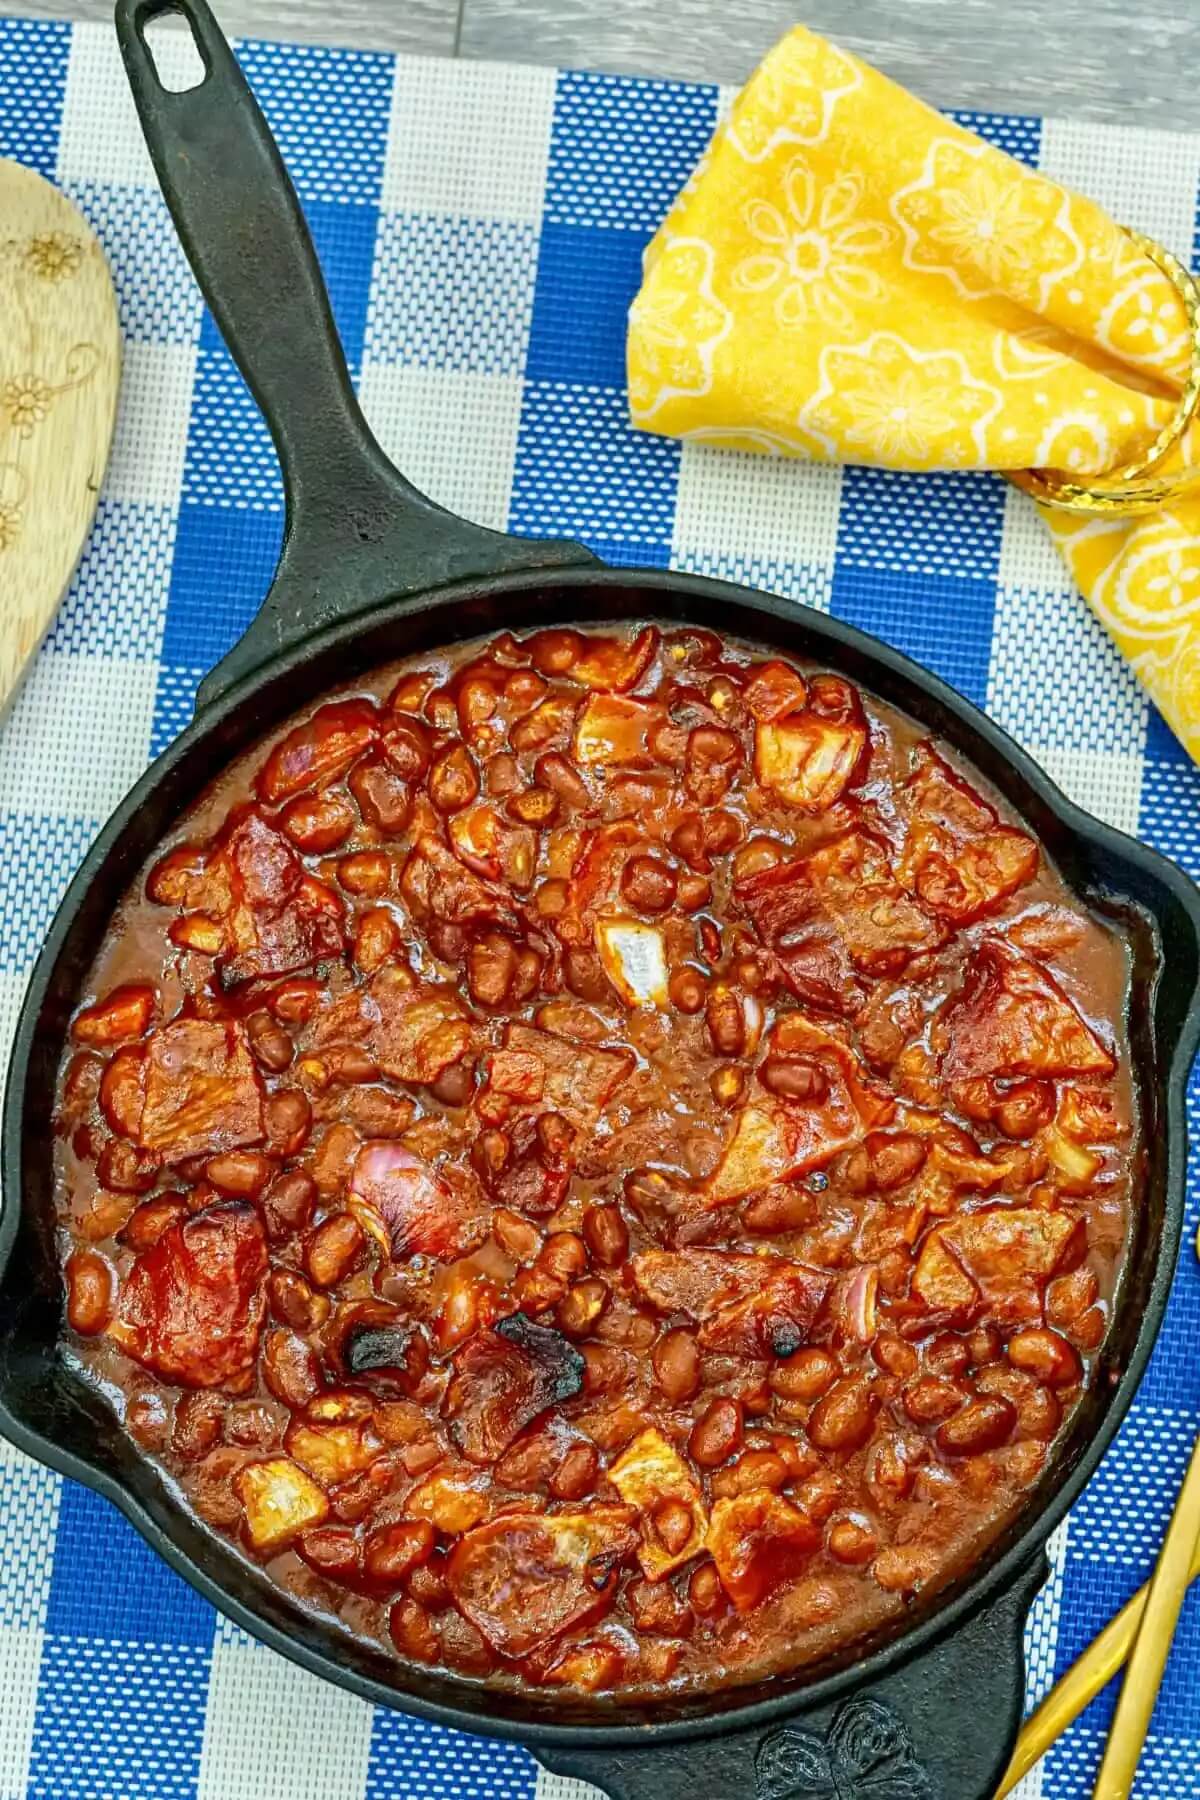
1122 493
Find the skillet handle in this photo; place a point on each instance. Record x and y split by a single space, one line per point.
357 533
940 1725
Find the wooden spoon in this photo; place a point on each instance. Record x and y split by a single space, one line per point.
60 362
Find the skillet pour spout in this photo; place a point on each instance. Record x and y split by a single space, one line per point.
372 571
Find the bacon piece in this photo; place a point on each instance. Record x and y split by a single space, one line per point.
192 1306
755 1306
279 1501
411 1208
837 911
1010 1018
503 1380
124 1013
958 859
773 1140
613 664
412 1032
809 759
315 753
524 1579
616 733
774 691
203 1092
1002 1253
759 1541
436 884
579 1080
647 1472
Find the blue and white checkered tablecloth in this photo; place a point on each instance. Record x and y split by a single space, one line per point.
481 230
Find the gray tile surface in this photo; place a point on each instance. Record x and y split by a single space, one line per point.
1120 60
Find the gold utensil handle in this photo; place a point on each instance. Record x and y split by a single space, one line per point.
1168 1586
1082 1682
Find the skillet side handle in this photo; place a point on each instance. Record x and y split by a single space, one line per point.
940 1726
356 531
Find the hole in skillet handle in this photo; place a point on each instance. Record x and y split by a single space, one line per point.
177 56
940 1724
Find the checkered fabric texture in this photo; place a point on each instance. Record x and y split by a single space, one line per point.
481 229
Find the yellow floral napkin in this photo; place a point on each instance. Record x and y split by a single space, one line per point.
851 277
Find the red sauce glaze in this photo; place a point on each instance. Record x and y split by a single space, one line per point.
602 1160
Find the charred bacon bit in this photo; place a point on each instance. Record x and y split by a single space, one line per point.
958 859
192 1306
279 1501
774 1140
524 1579
579 1080
810 761
649 1471
503 1380
1011 1018
123 1014
318 751
759 1542
410 1208
616 733
203 1091
380 1345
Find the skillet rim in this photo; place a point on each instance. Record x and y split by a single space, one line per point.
978 1586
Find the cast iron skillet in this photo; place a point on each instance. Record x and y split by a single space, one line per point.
370 571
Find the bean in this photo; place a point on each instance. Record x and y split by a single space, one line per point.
1044 1354
780 1209
537 806
515 1235
584 975
382 795
821 1495
367 872
317 823
491 965
894 1355
687 841
455 1085
686 989
648 884
252 1424
673 1525
563 1254
693 892
556 1138
754 1469
851 1540
376 939
287 1117
581 1306
240 1172
270 1045
89 1292
902 1571
553 771
717 1434
146 1224
842 1419
122 1166
984 1345
931 1398
412 1632
947 1355
676 1364
606 1235
725 1021
983 1424
656 1609
289 1367
1088 1331
334 1248
390 1553
794 1079
759 854
806 1376
453 779
294 1303
288 1204
727 1084
576 1474
294 1002
426 1583
197 1426
147 1419
705 1593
